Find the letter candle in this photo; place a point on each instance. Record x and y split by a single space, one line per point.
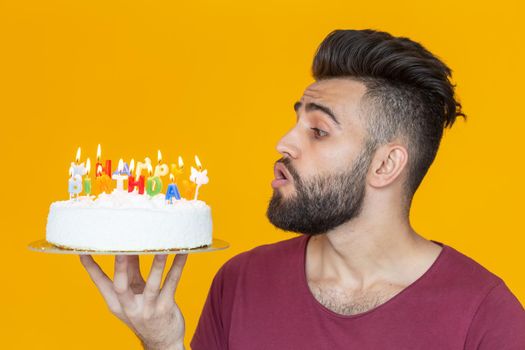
177 169
137 181
142 165
74 184
172 190
153 183
78 169
87 180
106 169
104 182
160 169
186 187
119 175
125 170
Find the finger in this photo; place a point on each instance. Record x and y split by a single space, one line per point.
102 281
121 283
172 279
151 290
136 281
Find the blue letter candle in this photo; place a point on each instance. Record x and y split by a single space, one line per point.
173 191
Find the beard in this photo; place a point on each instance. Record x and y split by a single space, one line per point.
322 202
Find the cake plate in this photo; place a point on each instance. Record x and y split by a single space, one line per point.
44 246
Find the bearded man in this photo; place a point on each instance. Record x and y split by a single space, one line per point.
358 276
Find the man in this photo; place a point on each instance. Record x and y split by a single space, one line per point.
359 276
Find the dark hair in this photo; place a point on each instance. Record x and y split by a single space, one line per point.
408 91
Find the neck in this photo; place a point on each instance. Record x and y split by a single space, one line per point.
375 247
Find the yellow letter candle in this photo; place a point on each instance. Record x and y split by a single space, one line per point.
160 169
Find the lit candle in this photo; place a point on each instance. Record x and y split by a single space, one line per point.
142 165
153 183
198 177
74 183
87 180
198 163
173 190
177 169
188 188
160 169
137 181
119 175
107 169
78 168
104 182
125 170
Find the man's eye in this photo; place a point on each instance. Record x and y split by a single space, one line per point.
319 133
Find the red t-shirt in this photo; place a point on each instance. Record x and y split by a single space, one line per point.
260 299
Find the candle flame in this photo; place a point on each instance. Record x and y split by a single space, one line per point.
159 156
172 178
120 166
99 170
71 171
98 152
77 158
181 163
88 166
150 170
198 162
131 166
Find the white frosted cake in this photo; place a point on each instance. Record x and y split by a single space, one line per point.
122 221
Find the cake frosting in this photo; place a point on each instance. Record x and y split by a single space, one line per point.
128 221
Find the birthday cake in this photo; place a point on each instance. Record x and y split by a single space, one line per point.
139 214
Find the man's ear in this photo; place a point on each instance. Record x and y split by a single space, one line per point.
387 165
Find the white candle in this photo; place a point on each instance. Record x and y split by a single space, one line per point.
119 176
141 166
78 168
74 184
198 177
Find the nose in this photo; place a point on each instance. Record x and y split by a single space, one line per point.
288 145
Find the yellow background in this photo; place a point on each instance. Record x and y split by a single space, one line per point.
218 79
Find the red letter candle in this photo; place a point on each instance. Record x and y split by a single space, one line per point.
133 182
106 169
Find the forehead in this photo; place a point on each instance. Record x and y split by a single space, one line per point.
342 95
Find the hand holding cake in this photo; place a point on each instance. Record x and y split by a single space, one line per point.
150 311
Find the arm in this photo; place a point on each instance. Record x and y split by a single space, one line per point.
210 333
499 322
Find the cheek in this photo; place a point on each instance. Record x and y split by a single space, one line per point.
328 156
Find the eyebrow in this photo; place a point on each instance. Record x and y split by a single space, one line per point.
312 106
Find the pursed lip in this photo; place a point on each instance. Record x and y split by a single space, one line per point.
280 172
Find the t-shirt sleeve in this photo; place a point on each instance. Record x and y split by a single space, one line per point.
213 328
499 322
210 333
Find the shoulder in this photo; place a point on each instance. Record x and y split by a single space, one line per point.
461 271
267 256
498 321
464 282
